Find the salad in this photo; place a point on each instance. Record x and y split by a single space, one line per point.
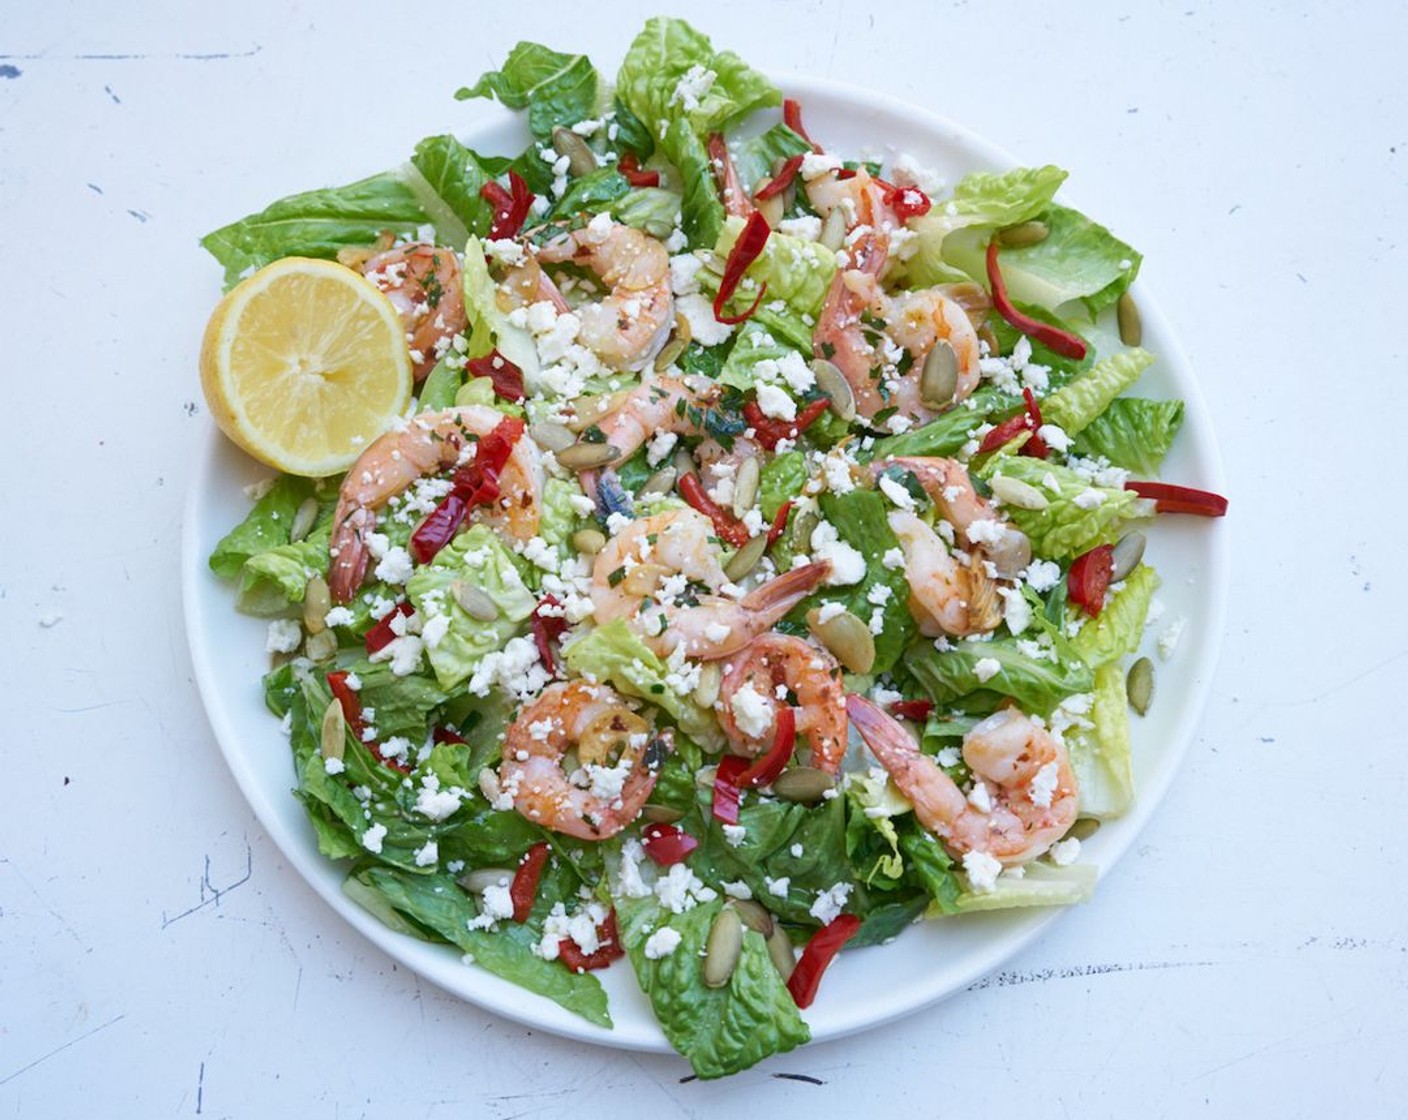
756 568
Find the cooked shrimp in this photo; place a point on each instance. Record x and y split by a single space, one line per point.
776 663
945 597
1023 770
423 284
600 798
628 326
645 573
433 441
658 404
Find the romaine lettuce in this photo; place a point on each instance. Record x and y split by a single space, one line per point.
555 88
1133 433
1079 516
1101 755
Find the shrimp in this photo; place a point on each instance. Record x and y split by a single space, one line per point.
627 327
644 575
431 442
773 663
597 800
1028 787
658 404
945 597
423 284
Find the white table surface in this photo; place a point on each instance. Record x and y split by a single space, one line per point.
1250 954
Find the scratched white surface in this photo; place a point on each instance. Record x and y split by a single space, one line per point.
1249 957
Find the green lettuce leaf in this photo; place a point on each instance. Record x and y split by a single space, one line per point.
555 88
265 526
1036 683
797 273
1081 400
701 212
272 582
1065 529
440 387
754 344
1118 628
489 326
590 194
1041 885
1132 433
781 480
754 156
447 178
1101 755
559 519
654 210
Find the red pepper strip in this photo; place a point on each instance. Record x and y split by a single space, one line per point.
781 181
547 628
1063 342
438 528
911 709
629 166
825 944
1180 499
666 844
381 635
477 482
727 792
1089 578
507 377
728 527
571 955
792 118
744 252
735 199
779 523
1013 426
769 431
762 771
447 735
906 202
351 703
524 889
510 210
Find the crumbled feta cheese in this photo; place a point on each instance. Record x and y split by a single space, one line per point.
435 803
693 87
982 871
285 635
396 566
1016 611
698 310
980 797
1090 498
339 616
680 889
778 887
898 495
751 711
1043 786
1065 852
827 611
372 838
333 766
735 834
829 903
817 164
1053 436
847 562
428 855
739 889
807 227
659 447
662 943
986 668
893 559
1169 639
1042 575
505 251
776 403
949 757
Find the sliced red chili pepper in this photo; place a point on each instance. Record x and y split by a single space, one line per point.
510 207
763 770
547 628
1180 499
726 525
666 844
1089 578
477 482
779 523
745 251
382 635
823 946
629 166
770 431
1054 338
906 202
447 735
779 182
438 528
523 891
571 955
911 709
792 118
727 792
347 697
735 198
1028 420
507 377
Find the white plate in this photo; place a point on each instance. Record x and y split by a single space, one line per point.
863 988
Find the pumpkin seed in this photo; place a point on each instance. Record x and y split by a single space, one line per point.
334 737
482 878
722 949
1084 828
643 579
705 775
1140 685
589 541
660 814
1015 492
670 353
754 916
831 381
833 230
474 602
586 411
846 636
580 159
746 558
1023 234
711 675
303 519
587 456
804 785
661 482
1127 315
320 646
803 525
317 601
772 208
939 380
552 436
780 950
989 339
1127 553
745 486
684 463
682 328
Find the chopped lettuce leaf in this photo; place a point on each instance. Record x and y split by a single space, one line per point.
781 480
1133 433
1005 666
490 327
1041 884
272 582
1079 516
754 157
447 178
266 526
754 344
654 210
797 273
555 88
1080 401
1101 755
1118 628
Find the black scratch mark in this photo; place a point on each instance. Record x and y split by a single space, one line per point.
200 1089
115 99
219 56
140 215
808 1078
95 188
8 71
1073 972
61 1049
210 894
190 408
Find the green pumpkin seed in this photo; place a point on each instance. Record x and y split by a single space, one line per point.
587 456
552 436
303 520
670 353
661 482
660 814
589 541
742 562
684 463
321 646
474 602
705 775
939 380
833 230
580 159
780 951
846 636
831 381
1127 315
1023 235
334 736
317 601
482 878
986 336
804 785
1015 492
711 675
803 525
745 486
586 411
722 950
1084 828
754 916
1127 553
1140 685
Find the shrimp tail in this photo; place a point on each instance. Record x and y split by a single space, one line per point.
778 596
937 801
349 552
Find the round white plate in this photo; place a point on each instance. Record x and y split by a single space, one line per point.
863 988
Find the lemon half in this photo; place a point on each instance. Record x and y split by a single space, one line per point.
305 363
